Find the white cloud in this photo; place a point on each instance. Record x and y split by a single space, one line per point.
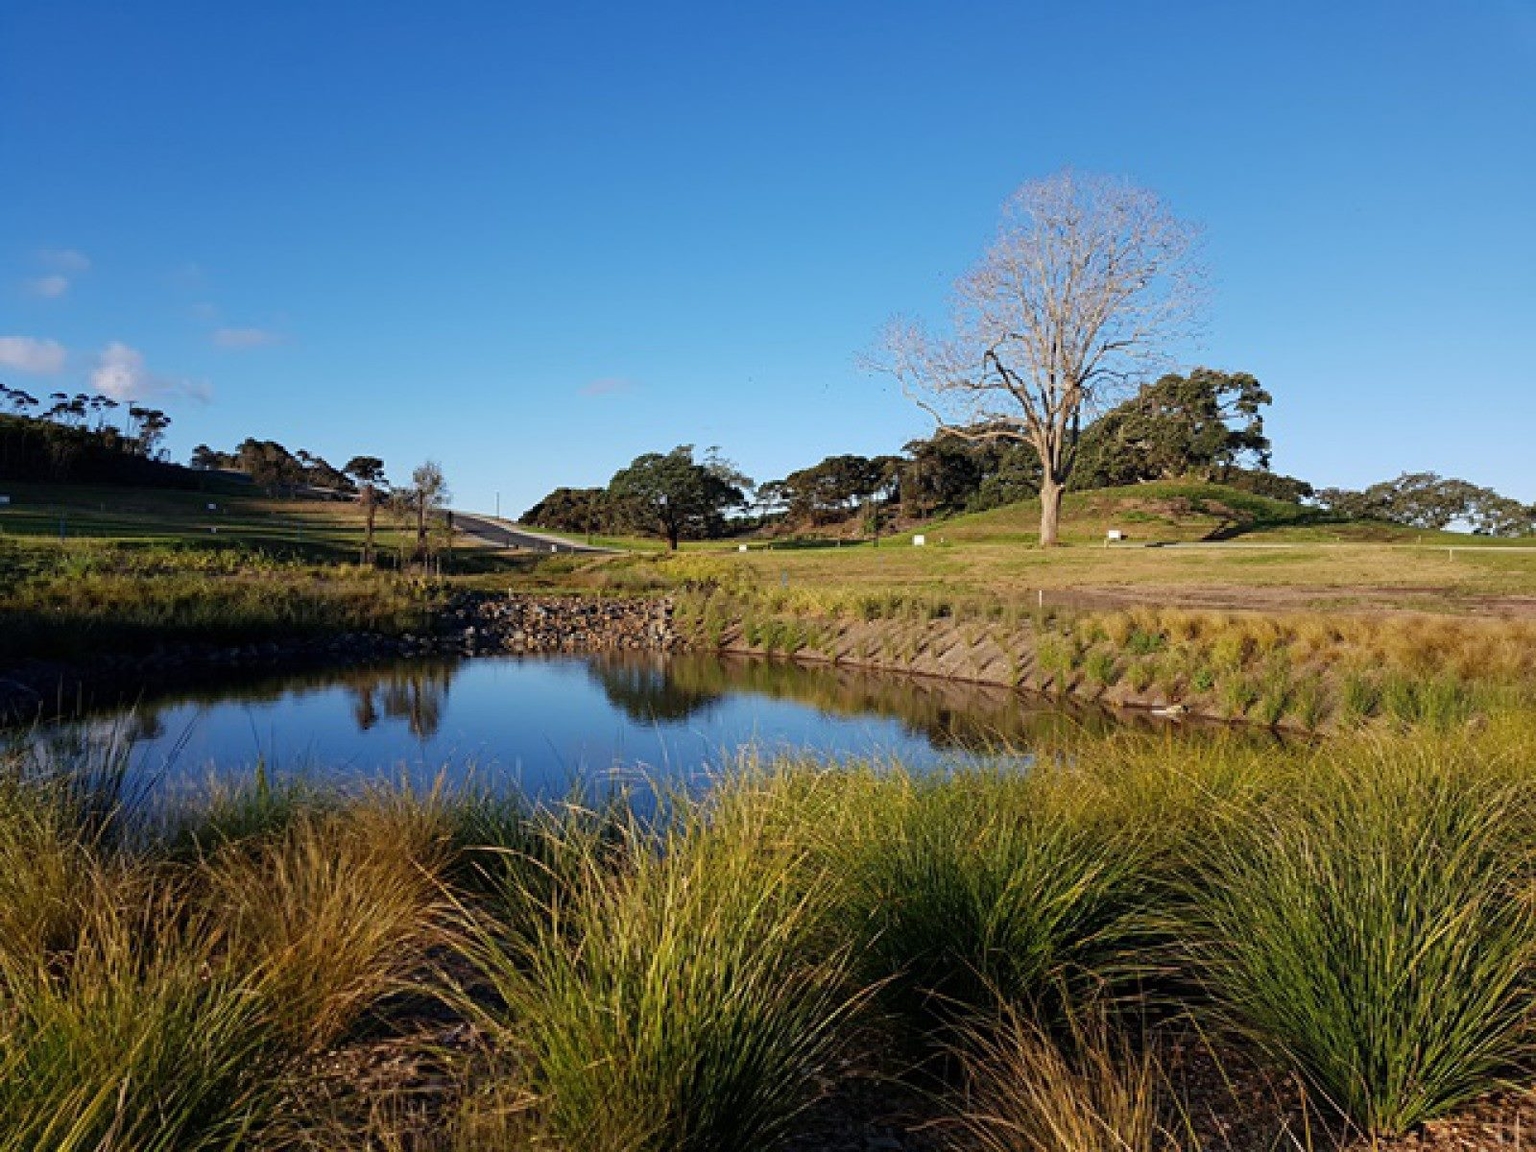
24 354
243 337
66 264
122 374
65 259
50 287
606 386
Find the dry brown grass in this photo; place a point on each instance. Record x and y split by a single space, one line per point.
337 910
1473 648
1027 1092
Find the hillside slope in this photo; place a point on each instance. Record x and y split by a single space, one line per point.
1169 511
223 516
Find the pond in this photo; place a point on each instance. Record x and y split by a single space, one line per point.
546 722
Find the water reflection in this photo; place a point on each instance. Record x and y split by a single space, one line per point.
948 714
415 693
649 690
547 720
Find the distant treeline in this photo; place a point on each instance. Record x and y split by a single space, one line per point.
85 439
275 468
94 439
1206 425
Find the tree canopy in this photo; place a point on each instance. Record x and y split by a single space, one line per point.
834 487
84 438
1204 424
1428 500
573 510
1086 281
676 497
274 467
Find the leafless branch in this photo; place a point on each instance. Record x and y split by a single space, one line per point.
1087 283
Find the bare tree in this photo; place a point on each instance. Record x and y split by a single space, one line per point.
428 493
1088 280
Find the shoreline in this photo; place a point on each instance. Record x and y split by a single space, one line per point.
481 624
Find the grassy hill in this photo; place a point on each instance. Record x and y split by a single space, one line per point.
1169 511
1161 512
224 515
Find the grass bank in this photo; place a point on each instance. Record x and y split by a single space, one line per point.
1298 668
277 965
62 602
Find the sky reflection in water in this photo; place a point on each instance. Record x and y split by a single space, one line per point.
543 722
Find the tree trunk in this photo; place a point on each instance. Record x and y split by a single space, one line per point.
370 506
672 539
1050 510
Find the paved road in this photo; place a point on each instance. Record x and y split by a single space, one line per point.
505 534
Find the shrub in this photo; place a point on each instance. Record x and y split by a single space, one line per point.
1100 668
1308 702
1374 931
674 1002
1054 658
1275 693
988 886
1238 694
1140 674
1359 695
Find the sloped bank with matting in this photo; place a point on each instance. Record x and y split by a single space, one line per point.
1297 671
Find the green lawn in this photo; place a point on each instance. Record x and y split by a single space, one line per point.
1266 554
227 516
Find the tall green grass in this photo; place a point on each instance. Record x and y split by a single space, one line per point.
333 914
672 999
990 886
1358 913
137 1036
1372 925
152 998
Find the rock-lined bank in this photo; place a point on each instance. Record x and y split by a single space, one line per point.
535 623
470 624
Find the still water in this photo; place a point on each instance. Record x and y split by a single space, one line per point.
544 723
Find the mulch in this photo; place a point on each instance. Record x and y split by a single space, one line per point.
1218 1101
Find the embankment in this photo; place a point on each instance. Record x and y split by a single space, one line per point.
467 624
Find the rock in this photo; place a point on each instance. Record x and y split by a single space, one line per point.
552 623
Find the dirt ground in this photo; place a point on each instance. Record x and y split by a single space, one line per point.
1298 598
1213 1101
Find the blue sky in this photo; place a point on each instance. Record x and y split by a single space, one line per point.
534 240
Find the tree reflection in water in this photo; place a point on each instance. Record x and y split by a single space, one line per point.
949 714
412 691
647 689
643 687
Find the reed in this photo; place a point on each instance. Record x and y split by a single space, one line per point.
1372 926
1027 1091
669 1001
